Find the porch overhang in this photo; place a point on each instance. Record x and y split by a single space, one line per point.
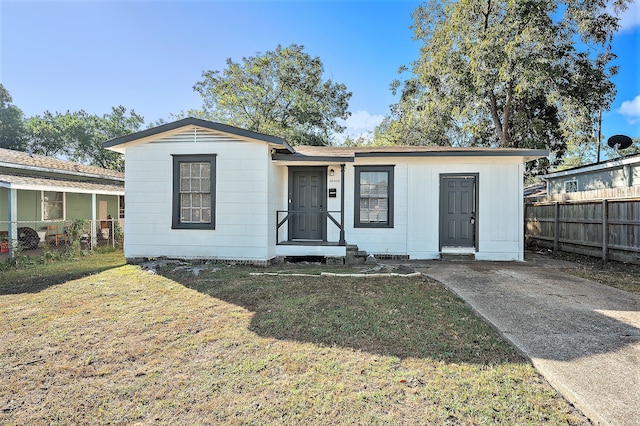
31 183
308 160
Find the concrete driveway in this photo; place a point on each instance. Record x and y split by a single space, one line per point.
582 336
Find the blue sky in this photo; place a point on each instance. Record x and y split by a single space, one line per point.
147 55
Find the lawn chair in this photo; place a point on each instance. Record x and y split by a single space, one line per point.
53 236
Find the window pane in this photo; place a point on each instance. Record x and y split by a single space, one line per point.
195 170
185 215
206 170
206 215
185 169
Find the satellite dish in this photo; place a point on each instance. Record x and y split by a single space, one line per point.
619 142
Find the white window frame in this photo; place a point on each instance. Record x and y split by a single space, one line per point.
43 206
568 184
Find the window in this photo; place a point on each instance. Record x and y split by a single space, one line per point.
571 186
121 207
194 191
374 197
52 205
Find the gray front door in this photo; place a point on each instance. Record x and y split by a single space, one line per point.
306 202
458 210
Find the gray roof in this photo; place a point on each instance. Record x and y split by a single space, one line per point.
330 153
349 153
18 160
605 164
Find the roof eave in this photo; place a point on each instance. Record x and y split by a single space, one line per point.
118 144
59 171
593 167
311 158
527 155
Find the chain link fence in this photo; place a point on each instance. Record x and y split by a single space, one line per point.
87 234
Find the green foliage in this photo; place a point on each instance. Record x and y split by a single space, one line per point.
505 74
12 134
281 93
79 135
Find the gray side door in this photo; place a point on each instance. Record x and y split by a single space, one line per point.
458 201
307 201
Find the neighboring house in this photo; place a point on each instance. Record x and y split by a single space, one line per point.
535 190
198 189
38 191
618 173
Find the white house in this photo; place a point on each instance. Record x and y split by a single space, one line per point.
198 189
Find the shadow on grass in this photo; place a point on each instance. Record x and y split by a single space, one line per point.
36 277
401 317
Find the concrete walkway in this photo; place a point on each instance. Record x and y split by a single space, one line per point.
583 337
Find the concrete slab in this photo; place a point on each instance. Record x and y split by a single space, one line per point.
583 337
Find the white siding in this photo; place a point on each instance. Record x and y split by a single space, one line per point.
243 177
416 208
250 188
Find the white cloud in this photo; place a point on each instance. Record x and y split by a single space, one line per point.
631 110
360 125
630 18
362 121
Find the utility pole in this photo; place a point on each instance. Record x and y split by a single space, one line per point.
599 135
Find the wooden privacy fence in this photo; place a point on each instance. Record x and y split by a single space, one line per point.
608 227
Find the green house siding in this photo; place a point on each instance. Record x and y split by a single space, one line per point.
29 205
78 206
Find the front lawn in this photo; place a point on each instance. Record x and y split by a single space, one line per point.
225 347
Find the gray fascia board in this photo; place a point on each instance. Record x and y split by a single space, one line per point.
191 121
458 153
300 157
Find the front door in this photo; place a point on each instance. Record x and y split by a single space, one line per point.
458 201
306 202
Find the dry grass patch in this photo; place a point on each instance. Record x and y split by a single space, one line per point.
624 276
127 346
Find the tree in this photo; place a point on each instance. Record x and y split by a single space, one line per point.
506 73
12 132
281 93
78 135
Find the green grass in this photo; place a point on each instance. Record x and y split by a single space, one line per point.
128 346
37 273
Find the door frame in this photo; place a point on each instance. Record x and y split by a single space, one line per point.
291 193
476 178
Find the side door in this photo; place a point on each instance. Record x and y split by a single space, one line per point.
458 207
